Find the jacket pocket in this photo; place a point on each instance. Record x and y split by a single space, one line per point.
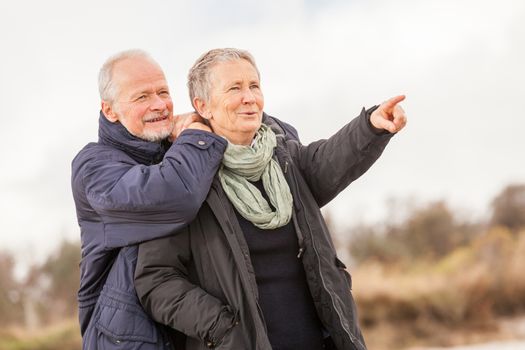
123 323
226 321
342 267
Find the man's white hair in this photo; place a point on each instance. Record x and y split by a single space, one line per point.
199 84
106 87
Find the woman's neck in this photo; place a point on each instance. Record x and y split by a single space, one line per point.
237 138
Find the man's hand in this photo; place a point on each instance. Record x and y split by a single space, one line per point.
199 126
185 121
389 115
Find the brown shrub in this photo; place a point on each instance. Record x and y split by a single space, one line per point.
469 287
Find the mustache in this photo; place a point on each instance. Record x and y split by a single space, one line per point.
156 115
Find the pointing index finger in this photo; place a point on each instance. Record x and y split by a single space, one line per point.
391 103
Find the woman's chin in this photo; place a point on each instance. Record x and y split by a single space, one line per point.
251 126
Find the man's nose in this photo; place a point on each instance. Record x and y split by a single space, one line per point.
158 103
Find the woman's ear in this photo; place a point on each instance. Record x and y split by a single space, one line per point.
202 108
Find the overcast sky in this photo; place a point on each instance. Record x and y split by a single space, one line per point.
460 63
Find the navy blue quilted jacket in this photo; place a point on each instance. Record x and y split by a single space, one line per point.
128 191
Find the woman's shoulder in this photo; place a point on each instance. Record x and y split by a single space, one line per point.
280 127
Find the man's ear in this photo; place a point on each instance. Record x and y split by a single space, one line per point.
109 112
201 107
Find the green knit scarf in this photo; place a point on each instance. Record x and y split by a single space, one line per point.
242 164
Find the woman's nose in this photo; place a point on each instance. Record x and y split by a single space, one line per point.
248 96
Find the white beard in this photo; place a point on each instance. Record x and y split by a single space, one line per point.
155 135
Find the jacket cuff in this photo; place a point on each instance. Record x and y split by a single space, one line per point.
367 113
225 322
201 139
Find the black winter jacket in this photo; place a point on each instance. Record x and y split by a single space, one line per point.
201 281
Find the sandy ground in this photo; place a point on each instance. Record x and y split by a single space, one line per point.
512 345
511 327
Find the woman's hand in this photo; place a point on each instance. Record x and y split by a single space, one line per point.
389 115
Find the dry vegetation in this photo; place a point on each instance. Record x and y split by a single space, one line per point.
435 280
63 335
456 299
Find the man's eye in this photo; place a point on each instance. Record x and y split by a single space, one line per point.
234 88
164 93
141 97
254 86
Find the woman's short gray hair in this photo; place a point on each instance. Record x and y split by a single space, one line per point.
199 76
106 87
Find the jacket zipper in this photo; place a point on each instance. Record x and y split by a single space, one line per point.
300 237
352 338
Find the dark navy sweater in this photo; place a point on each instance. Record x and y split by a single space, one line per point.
284 297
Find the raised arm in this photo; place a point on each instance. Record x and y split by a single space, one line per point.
329 166
147 202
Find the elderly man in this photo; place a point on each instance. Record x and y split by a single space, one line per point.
134 185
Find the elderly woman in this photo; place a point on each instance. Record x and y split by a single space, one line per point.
257 268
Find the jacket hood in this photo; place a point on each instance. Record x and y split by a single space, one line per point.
116 135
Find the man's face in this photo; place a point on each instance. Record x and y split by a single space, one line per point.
143 102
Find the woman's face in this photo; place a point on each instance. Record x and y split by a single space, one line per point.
236 101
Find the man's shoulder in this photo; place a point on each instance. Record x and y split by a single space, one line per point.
94 152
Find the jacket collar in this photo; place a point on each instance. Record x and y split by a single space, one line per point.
117 136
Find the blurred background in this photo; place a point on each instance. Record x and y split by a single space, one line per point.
433 234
